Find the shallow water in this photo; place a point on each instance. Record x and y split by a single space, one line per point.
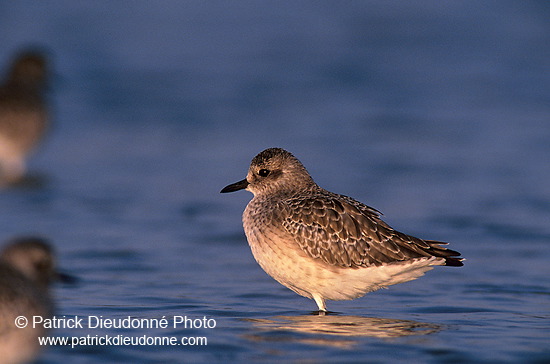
436 114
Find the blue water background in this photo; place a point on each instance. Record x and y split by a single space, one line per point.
437 113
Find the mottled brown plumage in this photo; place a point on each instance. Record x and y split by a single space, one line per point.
323 245
347 233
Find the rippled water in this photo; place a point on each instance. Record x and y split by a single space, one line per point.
434 113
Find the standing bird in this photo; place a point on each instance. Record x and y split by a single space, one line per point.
323 245
27 269
23 114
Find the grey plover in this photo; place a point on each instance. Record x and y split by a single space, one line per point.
23 113
27 268
323 245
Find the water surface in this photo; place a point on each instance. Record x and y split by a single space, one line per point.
434 113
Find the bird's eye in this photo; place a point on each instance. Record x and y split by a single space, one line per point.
263 172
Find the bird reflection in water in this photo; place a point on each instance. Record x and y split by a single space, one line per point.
335 325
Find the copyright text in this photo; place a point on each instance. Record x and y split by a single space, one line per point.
128 322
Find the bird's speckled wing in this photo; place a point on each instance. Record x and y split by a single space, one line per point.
346 233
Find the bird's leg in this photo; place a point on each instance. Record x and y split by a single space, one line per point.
320 302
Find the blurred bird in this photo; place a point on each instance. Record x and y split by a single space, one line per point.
23 113
27 269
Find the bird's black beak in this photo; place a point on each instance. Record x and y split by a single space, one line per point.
66 278
241 185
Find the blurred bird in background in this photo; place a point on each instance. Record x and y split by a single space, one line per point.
23 113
